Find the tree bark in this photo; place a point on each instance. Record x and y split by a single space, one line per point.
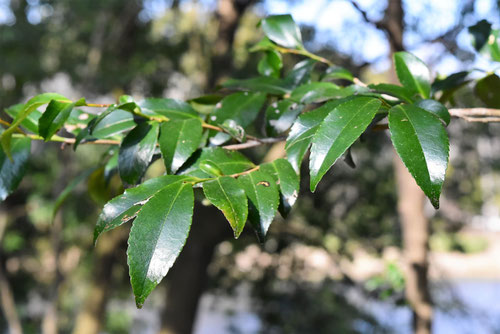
188 277
411 199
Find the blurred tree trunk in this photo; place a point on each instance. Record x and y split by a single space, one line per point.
411 199
187 279
91 316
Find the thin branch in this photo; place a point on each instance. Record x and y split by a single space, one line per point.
254 143
474 112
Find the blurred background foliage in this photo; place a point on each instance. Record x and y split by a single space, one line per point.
307 277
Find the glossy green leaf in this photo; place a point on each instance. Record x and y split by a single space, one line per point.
136 151
228 196
268 85
114 123
12 171
157 236
171 108
339 130
263 200
488 90
399 92
287 180
270 65
315 92
454 80
30 122
233 129
53 118
336 72
300 74
281 115
210 168
413 73
242 108
77 121
303 130
436 108
422 143
178 141
228 162
125 207
282 30
29 107
205 104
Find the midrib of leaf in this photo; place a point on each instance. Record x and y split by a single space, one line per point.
419 145
158 236
229 201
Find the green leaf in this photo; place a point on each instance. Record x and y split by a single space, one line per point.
315 92
12 171
488 90
271 64
125 207
136 151
228 162
399 92
31 122
303 130
300 73
413 73
287 180
338 132
178 141
454 80
54 118
228 196
436 108
171 108
281 115
157 236
336 72
29 107
242 108
114 123
422 143
480 33
205 104
282 30
263 200
210 168
268 85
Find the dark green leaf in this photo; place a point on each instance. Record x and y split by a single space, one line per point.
263 200
157 236
338 132
287 180
31 122
54 118
336 72
29 107
178 140
413 73
229 162
114 123
303 130
454 80
488 90
422 143
282 30
210 168
136 151
435 108
12 171
125 207
300 74
281 115
271 64
480 33
205 104
315 92
228 196
269 85
171 108
399 92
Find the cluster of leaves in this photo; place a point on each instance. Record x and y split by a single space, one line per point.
316 108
